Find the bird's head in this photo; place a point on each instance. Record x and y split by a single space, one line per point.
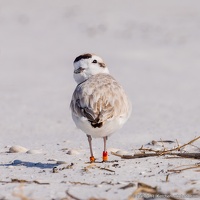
87 65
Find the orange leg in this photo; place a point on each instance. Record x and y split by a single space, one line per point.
92 158
105 153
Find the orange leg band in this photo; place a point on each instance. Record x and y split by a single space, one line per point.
105 156
92 159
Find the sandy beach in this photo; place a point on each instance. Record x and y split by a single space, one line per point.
150 47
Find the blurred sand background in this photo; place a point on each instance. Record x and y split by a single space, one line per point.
150 47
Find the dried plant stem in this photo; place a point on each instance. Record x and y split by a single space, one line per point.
143 155
109 170
79 183
72 196
182 169
163 152
24 181
151 191
170 150
179 147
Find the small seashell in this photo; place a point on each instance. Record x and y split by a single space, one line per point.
121 152
60 162
52 159
55 170
17 149
33 152
72 152
112 149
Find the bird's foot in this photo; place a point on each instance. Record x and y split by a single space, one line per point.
92 159
105 156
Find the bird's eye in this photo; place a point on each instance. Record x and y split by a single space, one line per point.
94 61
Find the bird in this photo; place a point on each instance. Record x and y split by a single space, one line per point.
99 104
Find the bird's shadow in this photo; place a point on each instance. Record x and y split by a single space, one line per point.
31 164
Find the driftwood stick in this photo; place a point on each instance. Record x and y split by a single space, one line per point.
170 150
186 155
163 152
143 155
179 147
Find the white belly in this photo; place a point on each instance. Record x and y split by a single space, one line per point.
109 127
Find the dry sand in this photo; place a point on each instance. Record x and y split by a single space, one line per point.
150 47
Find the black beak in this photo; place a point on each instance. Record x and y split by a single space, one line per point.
79 70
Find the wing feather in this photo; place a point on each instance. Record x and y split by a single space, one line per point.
98 99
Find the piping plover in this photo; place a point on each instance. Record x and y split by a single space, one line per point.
99 104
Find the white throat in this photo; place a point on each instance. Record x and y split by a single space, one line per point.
87 67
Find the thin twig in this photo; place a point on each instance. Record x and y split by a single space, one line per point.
142 155
170 150
127 186
179 147
186 168
103 168
79 183
163 152
167 178
150 191
24 181
72 196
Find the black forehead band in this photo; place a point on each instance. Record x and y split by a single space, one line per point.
84 56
